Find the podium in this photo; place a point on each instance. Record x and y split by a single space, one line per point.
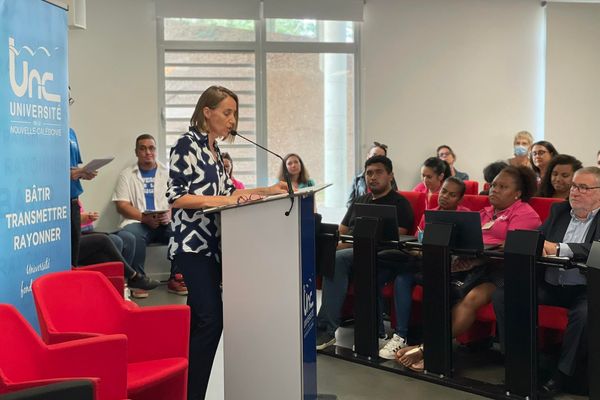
269 298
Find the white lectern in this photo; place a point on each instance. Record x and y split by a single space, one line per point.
269 298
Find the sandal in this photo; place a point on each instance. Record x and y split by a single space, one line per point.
412 356
404 350
418 366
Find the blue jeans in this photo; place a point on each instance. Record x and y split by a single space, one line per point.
144 235
403 285
125 242
334 290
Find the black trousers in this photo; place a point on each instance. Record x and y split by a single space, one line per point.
573 298
75 230
203 280
95 248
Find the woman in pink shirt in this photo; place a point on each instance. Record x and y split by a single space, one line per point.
509 210
228 164
433 174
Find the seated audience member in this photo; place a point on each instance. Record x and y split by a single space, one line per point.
540 155
124 241
450 196
95 248
228 164
433 174
298 172
490 172
557 182
379 175
359 185
569 231
521 144
479 277
444 152
141 189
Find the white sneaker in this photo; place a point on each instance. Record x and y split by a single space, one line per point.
391 347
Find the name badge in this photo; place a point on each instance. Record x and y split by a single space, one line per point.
488 225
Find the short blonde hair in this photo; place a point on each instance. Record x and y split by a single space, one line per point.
524 135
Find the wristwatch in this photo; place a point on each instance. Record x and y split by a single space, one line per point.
557 249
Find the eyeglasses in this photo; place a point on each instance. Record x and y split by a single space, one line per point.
443 154
538 153
383 146
583 189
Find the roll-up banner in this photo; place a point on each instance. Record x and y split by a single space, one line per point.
34 149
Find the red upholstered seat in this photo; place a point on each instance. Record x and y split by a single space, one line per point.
475 202
112 270
27 362
417 202
542 205
85 304
471 187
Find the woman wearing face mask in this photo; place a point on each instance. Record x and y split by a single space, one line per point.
433 174
521 144
298 172
540 155
557 182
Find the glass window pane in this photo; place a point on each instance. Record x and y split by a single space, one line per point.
310 111
231 30
188 74
309 30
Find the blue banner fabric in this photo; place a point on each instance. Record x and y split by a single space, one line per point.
34 158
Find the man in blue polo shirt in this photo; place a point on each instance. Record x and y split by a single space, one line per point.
140 198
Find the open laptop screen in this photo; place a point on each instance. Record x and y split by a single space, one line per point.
386 213
466 232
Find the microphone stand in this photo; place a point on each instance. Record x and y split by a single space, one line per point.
286 173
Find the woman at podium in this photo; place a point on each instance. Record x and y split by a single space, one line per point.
198 180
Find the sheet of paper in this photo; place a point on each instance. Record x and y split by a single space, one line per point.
97 163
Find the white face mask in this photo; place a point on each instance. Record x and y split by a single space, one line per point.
520 151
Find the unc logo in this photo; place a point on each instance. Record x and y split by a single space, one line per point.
29 78
307 300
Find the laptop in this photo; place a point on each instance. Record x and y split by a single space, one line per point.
388 215
466 232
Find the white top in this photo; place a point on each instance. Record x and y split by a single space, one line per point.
130 187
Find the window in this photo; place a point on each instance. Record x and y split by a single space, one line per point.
297 85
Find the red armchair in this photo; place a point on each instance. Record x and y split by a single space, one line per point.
27 362
84 304
112 270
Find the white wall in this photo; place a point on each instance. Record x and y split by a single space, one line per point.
465 73
113 76
573 81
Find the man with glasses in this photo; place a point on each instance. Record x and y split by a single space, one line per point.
569 231
140 198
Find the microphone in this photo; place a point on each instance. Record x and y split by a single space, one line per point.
286 173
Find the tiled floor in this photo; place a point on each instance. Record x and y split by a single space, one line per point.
349 381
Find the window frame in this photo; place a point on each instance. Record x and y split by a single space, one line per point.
260 47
